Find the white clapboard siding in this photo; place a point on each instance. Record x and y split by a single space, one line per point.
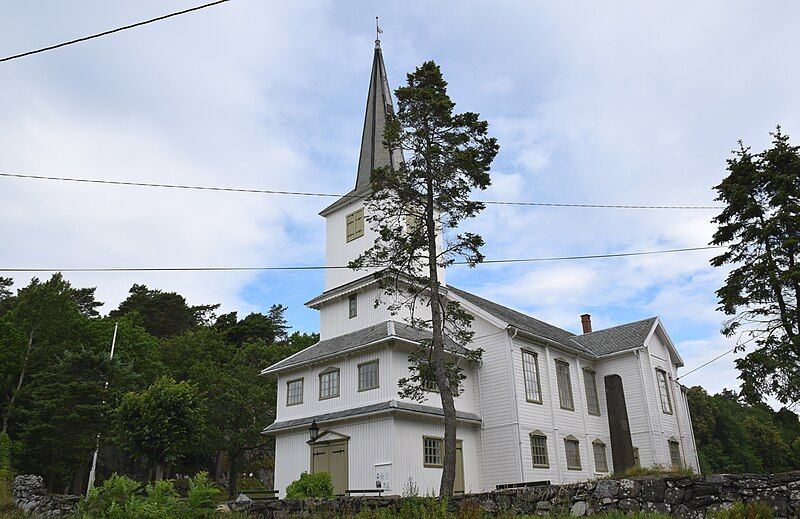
335 317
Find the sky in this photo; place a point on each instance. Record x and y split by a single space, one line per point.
612 103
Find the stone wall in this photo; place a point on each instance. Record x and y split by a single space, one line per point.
31 496
683 497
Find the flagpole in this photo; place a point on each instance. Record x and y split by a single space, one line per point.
97 440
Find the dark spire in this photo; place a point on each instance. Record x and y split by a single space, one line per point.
379 103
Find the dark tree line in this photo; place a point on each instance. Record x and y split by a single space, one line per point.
184 389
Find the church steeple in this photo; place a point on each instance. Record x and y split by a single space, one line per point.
379 104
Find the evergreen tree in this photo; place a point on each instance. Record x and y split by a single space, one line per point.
449 156
164 314
760 225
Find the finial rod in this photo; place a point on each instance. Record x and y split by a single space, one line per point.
378 31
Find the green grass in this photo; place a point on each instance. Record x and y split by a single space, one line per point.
7 508
654 470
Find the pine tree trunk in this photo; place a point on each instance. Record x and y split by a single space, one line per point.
159 472
437 346
217 473
19 382
233 477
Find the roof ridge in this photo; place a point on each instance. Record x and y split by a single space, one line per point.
618 326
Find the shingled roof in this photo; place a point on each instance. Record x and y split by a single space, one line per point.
369 409
358 339
618 338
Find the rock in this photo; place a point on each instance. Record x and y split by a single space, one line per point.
673 496
628 505
652 489
629 488
223 508
606 488
578 509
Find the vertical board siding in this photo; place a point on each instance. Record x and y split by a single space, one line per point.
335 317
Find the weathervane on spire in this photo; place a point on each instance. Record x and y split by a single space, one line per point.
378 31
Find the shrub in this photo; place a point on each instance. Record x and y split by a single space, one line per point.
120 497
6 448
739 510
311 485
653 470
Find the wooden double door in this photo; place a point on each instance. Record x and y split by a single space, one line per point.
332 458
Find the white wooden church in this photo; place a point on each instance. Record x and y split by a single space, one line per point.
543 404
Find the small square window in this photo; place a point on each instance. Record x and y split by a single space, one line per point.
600 459
355 225
573 452
432 452
352 305
294 392
368 375
329 384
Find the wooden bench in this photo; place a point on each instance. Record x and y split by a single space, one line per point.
526 484
257 494
378 491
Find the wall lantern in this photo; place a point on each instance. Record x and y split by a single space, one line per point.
313 430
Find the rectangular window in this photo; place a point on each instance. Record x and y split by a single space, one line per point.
564 386
573 452
590 384
663 389
432 452
329 384
530 372
355 225
368 375
539 450
352 305
600 460
294 392
636 461
675 454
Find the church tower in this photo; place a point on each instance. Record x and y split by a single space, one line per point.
347 304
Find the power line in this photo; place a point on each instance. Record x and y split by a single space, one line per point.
112 31
324 267
336 195
707 363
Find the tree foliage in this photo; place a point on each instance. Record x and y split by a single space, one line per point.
411 207
165 423
163 314
733 436
760 225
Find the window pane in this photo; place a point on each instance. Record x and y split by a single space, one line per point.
368 376
573 454
590 384
564 386
675 454
329 384
663 389
600 460
294 392
352 302
530 371
539 451
433 451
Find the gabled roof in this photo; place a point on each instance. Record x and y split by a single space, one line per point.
373 153
390 405
336 346
618 338
516 319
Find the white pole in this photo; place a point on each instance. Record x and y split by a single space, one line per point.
97 440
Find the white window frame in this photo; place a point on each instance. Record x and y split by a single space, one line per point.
530 370
675 453
432 452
